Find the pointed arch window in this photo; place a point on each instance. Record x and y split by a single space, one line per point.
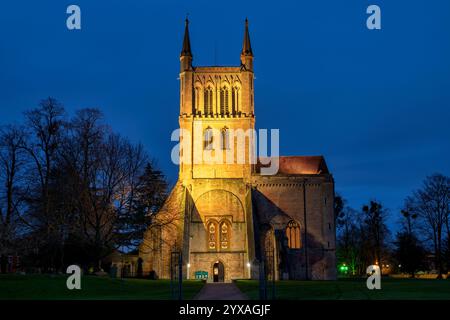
293 235
208 100
234 100
208 139
224 108
224 235
197 96
225 138
212 235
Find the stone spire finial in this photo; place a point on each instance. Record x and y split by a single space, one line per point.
186 50
246 46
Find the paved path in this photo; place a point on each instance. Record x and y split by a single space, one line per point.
220 291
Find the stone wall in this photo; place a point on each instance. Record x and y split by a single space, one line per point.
216 201
274 201
278 200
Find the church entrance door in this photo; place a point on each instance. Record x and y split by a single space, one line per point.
218 272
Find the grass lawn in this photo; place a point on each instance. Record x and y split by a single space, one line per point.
45 287
353 289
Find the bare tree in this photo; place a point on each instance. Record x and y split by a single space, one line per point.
431 204
79 185
349 239
110 182
377 231
409 219
106 177
409 252
12 167
46 129
87 133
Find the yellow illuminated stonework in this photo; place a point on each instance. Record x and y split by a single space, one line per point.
224 216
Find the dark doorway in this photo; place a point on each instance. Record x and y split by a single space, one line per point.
218 272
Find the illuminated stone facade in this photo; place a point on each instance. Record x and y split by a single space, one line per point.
228 218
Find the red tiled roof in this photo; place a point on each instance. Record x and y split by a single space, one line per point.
300 165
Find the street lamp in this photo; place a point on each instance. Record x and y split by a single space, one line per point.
188 266
249 271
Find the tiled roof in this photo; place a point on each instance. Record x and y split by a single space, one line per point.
299 165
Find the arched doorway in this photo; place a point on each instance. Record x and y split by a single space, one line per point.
218 272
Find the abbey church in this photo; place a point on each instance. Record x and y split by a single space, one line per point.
226 219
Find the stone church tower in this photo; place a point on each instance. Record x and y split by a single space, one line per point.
223 215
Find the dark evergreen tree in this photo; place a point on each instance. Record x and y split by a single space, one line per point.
145 200
409 253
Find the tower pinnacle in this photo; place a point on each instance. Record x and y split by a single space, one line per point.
246 46
247 53
186 54
186 50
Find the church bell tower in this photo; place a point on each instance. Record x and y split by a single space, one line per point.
216 105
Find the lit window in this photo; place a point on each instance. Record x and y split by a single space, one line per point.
224 235
224 101
212 236
225 138
208 100
293 235
208 139
197 99
234 100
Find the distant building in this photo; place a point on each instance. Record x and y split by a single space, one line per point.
10 263
122 265
228 218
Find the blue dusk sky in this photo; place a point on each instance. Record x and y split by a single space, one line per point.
375 103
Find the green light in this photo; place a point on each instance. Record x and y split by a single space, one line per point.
343 268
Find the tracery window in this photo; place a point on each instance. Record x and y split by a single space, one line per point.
208 100
212 236
224 236
224 101
293 235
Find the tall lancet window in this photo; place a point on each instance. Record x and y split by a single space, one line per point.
293 235
197 99
224 107
208 100
234 100
212 235
225 138
208 139
224 235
